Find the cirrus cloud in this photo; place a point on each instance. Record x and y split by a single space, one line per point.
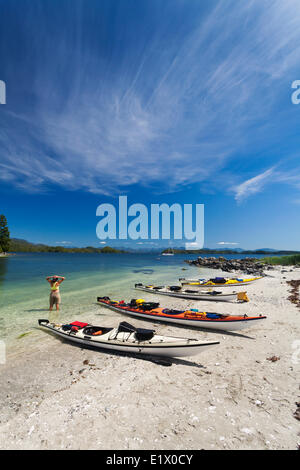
168 109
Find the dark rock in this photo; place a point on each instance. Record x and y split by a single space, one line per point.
273 358
297 412
247 265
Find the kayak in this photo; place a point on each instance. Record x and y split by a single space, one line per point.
218 282
128 339
193 317
179 291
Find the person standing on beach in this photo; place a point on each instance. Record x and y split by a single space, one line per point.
54 282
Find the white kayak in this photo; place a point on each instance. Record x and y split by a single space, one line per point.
128 339
180 292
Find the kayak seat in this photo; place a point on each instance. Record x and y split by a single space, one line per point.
140 334
125 327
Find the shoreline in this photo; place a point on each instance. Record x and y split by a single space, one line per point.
59 396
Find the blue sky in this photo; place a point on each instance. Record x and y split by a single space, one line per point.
161 100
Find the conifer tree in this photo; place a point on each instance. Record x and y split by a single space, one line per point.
4 234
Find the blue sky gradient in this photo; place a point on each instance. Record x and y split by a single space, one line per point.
162 100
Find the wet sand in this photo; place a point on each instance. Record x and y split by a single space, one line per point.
60 396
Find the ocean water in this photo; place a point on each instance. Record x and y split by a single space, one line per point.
24 292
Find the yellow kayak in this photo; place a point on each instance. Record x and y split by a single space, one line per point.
218 282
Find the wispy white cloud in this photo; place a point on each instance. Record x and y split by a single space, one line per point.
193 246
227 243
256 184
253 185
169 112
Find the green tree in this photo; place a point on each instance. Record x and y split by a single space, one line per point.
4 234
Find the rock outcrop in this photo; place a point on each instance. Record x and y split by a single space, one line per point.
246 265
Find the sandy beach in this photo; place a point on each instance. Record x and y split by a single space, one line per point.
59 396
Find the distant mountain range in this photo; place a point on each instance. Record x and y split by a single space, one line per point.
229 251
19 245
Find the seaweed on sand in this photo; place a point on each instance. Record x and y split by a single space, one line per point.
294 297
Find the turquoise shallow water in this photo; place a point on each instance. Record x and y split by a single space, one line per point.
24 292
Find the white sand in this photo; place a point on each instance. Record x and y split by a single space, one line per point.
230 397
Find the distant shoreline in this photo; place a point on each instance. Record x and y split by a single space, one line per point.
209 251
23 246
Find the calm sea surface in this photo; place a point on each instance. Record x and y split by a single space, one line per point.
24 292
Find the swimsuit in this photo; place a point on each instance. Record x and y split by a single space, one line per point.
54 295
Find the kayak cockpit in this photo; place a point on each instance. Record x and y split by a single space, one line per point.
96 330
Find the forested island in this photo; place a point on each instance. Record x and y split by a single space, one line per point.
23 246
10 245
